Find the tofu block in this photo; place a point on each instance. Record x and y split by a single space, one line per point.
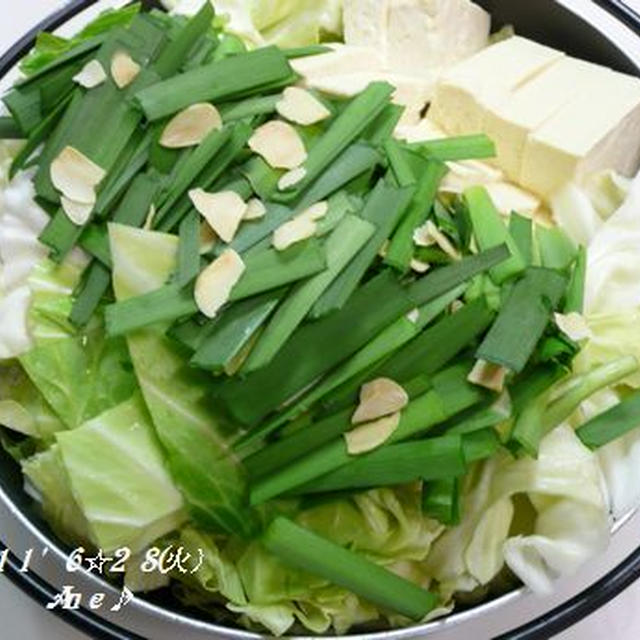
597 130
366 23
420 132
486 80
434 34
510 123
343 59
412 93
417 35
348 69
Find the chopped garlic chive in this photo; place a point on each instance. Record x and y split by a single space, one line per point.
379 398
612 423
299 106
279 144
218 81
214 284
523 318
223 211
124 70
191 126
76 176
371 435
306 551
488 375
91 75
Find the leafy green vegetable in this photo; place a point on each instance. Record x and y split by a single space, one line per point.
430 459
195 439
50 47
47 473
611 424
549 410
305 550
345 241
80 375
490 231
441 500
523 318
118 477
23 407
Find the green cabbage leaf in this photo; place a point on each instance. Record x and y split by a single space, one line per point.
558 521
196 440
385 525
118 478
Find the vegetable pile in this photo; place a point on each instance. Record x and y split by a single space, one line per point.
282 324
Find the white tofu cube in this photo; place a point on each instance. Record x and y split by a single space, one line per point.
509 123
366 23
342 60
486 80
597 130
434 34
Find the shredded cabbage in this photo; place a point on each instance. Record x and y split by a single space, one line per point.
613 272
564 479
287 23
21 221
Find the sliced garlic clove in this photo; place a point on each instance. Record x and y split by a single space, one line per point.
215 282
574 326
91 75
124 70
208 237
300 106
379 398
78 212
371 435
255 209
413 316
279 144
456 305
418 266
503 404
151 214
422 237
291 178
292 232
488 375
315 212
428 234
191 126
75 176
223 210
